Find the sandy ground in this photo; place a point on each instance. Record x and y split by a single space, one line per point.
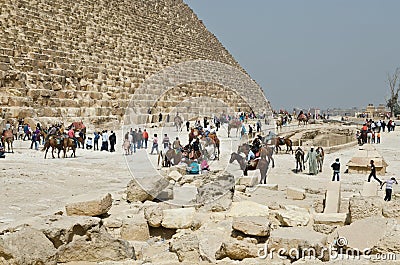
33 186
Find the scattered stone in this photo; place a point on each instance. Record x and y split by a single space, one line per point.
135 228
252 225
391 209
332 219
248 208
301 239
95 247
268 186
363 207
248 181
237 250
147 189
295 193
370 189
186 245
185 194
292 215
324 229
181 218
153 215
90 208
241 188
175 175
27 246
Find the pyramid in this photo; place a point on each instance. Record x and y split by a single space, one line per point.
89 60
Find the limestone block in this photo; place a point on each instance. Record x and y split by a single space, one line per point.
174 175
363 207
185 194
299 238
391 209
268 186
135 228
252 225
248 208
248 181
292 215
332 197
330 218
186 245
181 218
237 250
153 215
295 193
27 246
90 208
370 189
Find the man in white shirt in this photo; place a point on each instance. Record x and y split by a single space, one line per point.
389 188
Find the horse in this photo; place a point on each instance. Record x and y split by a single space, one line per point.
299 155
264 152
55 142
178 123
303 118
234 124
69 143
279 124
282 141
8 137
320 157
215 138
260 163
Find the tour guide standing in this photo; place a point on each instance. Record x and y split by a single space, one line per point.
389 187
336 169
373 173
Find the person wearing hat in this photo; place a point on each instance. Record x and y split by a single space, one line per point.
312 161
389 188
336 169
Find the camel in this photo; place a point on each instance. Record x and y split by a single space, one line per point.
299 155
8 137
178 123
234 124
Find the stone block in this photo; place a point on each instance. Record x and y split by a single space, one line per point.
370 189
248 181
330 218
90 208
252 225
268 186
332 197
295 193
135 229
248 208
181 218
185 194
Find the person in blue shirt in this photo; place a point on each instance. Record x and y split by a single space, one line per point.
194 167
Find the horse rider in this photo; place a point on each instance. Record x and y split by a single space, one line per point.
71 134
176 145
195 147
256 144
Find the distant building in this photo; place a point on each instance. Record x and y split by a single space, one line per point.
379 112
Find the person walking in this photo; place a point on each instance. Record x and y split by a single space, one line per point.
104 137
389 188
140 139
145 138
134 140
336 169
373 173
312 161
155 144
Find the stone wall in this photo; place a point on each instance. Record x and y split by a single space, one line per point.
71 59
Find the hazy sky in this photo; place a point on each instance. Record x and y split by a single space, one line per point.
308 53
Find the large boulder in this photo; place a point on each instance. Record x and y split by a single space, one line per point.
153 215
186 246
300 239
27 246
390 241
62 229
146 189
94 207
295 193
180 218
237 250
252 225
391 209
97 246
292 215
248 208
363 207
135 228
